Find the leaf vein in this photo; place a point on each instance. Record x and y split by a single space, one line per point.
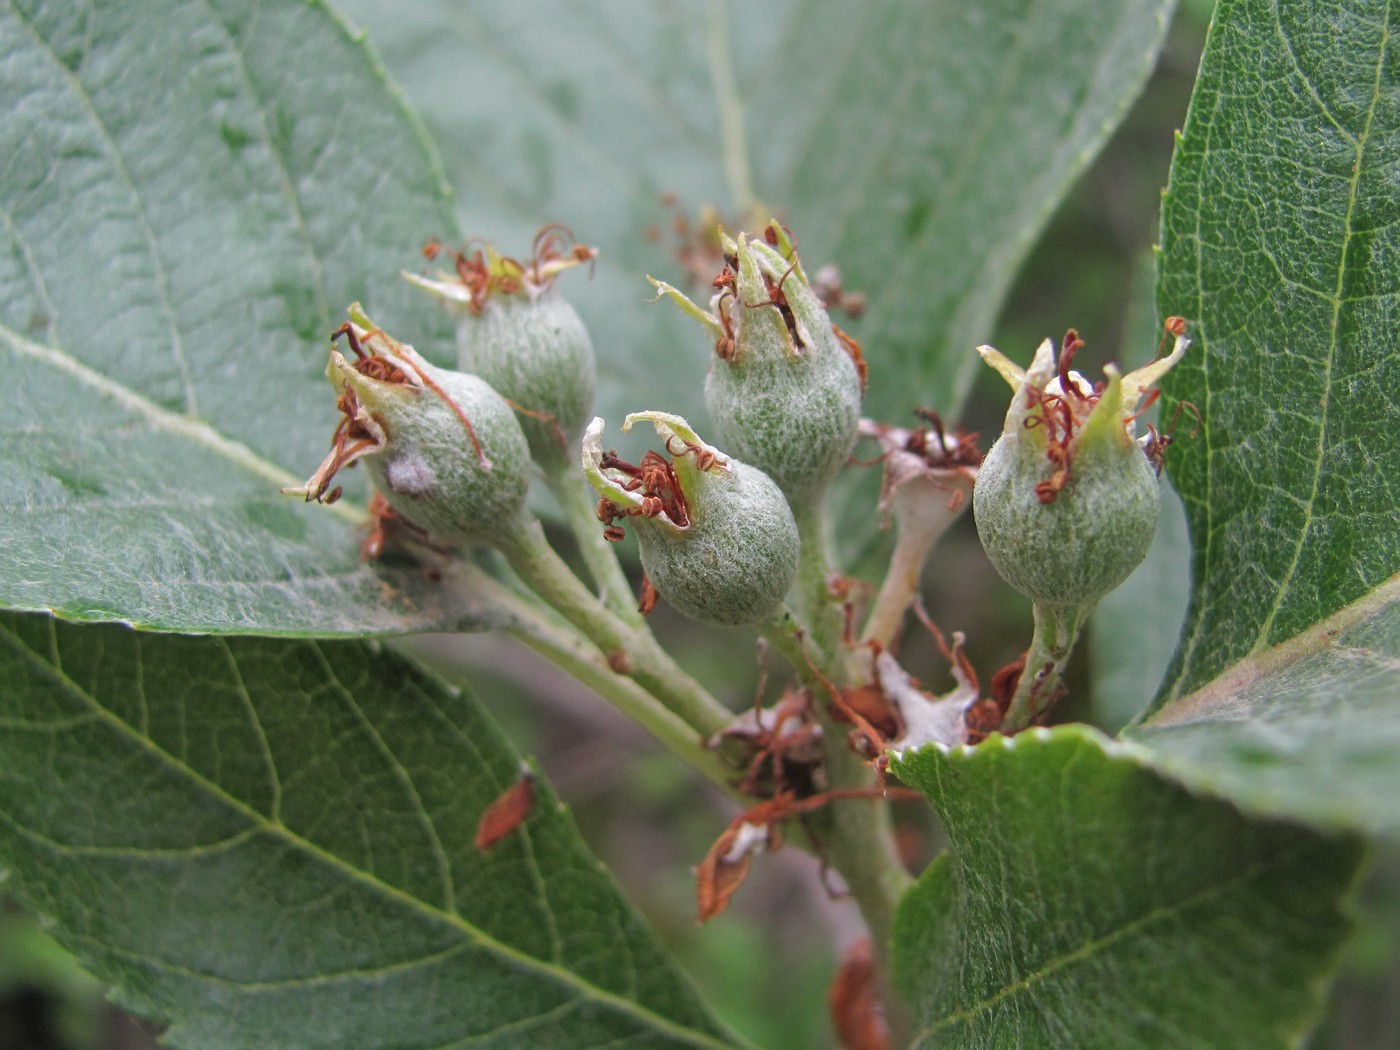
1091 948
505 952
1324 422
162 278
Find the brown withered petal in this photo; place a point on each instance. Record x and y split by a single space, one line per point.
716 878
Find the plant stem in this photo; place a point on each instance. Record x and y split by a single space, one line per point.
900 586
1057 628
543 631
815 606
598 554
856 838
629 651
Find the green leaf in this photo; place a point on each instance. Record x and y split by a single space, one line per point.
1280 230
1086 901
1280 227
193 194
1307 729
919 146
1133 630
270 843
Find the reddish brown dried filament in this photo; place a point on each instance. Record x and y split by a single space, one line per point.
655 480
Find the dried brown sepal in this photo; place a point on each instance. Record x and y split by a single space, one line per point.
830 289
782 747
484 273
510 809
646 601
853 351
857 1014
387 530
869 703
726 865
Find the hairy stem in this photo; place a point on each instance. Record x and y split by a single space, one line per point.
630 651
599 556
546 633
857 837
1057 628
812 594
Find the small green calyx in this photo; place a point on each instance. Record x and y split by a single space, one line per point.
1067 500
518 333
443 450
786 384
717 538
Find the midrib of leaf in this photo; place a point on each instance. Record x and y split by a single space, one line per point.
258 823
1091 948
119 164
1336 302
733 147
163 419
1261 662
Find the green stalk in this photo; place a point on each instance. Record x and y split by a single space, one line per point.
599 556
856 836
543 631
1057 628
629 651
815 606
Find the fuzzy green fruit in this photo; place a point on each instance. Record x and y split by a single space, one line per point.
737 560
430 471
535 352
717 538
1067 501
442 448
1078 547
785 389
516 332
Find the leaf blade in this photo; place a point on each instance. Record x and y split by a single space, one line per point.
1289 297
173 267
790 105
1277 228
1044 927
1304 730
254 858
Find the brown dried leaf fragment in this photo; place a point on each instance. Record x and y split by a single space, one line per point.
510 809
854 1000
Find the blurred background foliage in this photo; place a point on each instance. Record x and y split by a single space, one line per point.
765 964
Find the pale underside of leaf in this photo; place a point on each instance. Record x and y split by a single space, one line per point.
1307 729
920 147
183 221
